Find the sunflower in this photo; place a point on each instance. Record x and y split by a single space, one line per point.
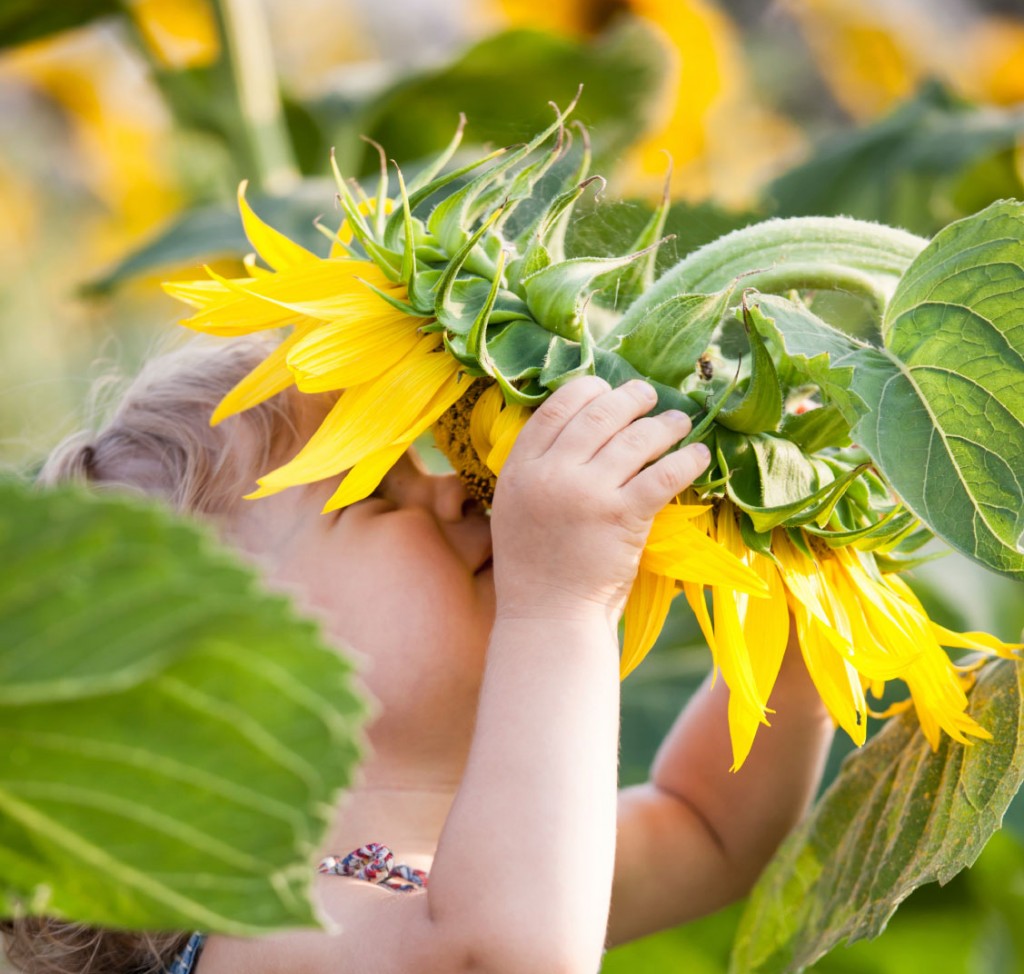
346 335
446 309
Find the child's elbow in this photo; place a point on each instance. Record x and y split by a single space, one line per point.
523 953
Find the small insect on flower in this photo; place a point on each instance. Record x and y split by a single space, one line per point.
706 367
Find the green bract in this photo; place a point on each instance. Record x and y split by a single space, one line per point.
732 335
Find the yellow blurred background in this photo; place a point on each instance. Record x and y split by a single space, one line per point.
92 162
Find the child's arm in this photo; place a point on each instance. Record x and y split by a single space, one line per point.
536 814
521 882
696 836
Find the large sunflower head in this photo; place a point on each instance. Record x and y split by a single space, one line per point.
450 303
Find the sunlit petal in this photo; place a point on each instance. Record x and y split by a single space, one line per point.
352 350
269 378
507 427
357 426
274 247
646 610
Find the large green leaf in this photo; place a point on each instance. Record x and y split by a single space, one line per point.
172 739
946 425
28 20
899 815
940 408
207 233
932 160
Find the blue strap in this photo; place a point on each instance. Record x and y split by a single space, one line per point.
186 961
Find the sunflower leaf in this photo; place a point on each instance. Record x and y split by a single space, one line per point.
946 424
172 739
898 816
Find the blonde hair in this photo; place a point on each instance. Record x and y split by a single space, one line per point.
41 945
158 441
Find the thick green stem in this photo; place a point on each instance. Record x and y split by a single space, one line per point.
822 253
252 64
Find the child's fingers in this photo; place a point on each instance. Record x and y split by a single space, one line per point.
651 489
551 417
603 417
638 444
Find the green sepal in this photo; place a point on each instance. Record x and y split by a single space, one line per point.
426 176
799 540
759 541
521 185
769 477
455 346
450 220
478 352
468 295
706 426
404 306
817 429
557 294
389 262
565 360
666 343
518 349
379 209
423 288
814 507
546 247
419 194
760 408
451 271
528 218
893 523
408 235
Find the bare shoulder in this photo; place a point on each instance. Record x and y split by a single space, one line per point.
374 931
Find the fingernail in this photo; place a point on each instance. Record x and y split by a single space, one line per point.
645 389
675 415
702 453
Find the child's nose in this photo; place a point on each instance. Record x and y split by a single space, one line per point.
410 485
451 502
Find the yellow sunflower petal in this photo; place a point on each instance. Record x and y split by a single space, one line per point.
766 626
353 350
506 429
982 642
691 556
198 294
743 726
481 421
324 291
695 597
270 377
365 476
357 425
836 680
274 247
646 610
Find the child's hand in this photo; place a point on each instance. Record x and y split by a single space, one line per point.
575 499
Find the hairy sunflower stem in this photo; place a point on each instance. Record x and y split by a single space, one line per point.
783 254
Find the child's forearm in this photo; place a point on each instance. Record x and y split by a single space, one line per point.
525 861
753 808
712 831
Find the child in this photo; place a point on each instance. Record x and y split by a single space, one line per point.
490 646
